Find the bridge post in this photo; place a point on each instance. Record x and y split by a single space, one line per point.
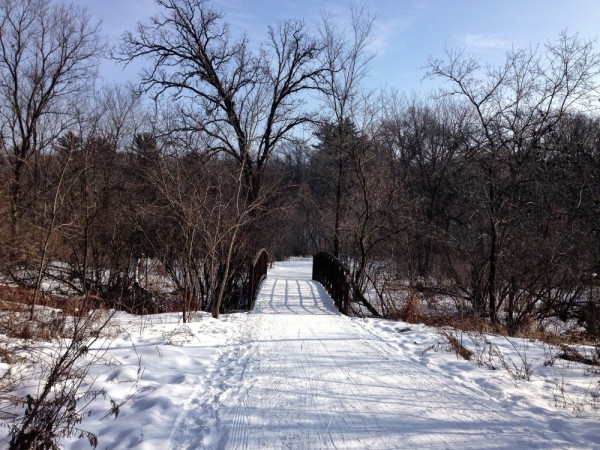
346 296
257 273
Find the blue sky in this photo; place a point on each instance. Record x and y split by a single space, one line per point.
406 32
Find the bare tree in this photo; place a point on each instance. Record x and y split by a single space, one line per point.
48 55
346 58
50 212
246 103
427 140
515 106
106 126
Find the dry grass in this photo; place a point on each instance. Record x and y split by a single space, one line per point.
569 353
436 306
179 336
19 299
451 344
410 310
54 315
421 308
39 420
457 347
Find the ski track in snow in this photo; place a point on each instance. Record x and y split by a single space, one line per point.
301 376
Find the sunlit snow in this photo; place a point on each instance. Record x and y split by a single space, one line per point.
296 374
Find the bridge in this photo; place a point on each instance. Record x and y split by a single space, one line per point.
300 375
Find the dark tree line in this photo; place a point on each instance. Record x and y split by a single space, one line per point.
487 194
92 193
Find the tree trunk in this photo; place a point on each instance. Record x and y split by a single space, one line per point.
492 275
16 195
217 304
493 257
338 206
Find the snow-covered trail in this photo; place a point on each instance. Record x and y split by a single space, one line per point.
300 375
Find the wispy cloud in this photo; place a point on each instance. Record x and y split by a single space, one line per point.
388 31
487 42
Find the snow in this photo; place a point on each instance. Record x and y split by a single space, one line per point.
294 373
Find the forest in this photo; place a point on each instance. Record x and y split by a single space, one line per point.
480 202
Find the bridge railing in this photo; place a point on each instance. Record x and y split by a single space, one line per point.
258 272
335 278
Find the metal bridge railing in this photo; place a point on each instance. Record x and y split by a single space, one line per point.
335 278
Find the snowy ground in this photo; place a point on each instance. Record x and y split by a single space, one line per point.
296 374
